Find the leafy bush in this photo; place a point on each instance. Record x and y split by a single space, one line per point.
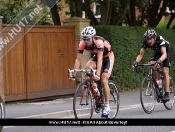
126 43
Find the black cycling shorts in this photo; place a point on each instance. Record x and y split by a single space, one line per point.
167 61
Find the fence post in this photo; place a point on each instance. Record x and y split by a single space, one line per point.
79 24
1 63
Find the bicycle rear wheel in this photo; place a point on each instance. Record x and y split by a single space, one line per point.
83 104
147 95
2 111
114 99
169 104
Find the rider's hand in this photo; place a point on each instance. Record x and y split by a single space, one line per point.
134 64
158 61
96 77
72 78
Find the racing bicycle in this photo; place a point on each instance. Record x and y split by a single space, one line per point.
151 92
86 101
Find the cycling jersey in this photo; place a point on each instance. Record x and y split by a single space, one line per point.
160 42
98 44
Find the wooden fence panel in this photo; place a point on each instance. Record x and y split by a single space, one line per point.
37 64
49 53
14 65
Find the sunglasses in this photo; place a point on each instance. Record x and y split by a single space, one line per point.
86 38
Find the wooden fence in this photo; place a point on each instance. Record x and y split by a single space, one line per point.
36 66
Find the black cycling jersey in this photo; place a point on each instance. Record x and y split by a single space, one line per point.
160 42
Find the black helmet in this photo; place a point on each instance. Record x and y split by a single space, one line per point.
149 34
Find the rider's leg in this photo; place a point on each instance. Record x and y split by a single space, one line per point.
107 69
165 71
91 64
104 81
154 67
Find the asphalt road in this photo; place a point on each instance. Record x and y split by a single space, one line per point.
62 108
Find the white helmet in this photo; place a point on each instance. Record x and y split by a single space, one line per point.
149 34
88 32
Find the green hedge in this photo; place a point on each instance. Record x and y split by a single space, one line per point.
126 43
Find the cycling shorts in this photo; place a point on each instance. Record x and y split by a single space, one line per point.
167 61
107 64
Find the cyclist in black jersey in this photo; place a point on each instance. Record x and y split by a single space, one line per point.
162 54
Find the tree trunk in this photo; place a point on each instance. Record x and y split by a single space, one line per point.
105 11
152 12
72 8
156 12
171 19
122 11
142 17
113 15
89 13
161 13
128 19
55 15
78 6
132 13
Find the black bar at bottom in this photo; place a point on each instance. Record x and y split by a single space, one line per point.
87 122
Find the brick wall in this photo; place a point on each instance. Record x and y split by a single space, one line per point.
79 24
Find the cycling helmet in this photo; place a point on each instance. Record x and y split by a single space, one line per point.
88 32
149 34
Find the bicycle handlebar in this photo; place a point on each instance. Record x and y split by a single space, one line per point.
93 71
148 64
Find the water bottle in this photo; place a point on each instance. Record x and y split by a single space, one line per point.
94 86
160 82
157 81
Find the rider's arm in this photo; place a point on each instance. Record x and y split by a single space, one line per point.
141 54
77 62
100 48
99 62
79 56
164 54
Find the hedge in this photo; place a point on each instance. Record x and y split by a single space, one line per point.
126 43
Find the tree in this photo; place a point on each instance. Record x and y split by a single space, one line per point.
171 6
9 9
54 10
155 11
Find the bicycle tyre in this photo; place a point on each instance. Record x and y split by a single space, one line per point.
169 104
147 91
114 100
83 102
2 111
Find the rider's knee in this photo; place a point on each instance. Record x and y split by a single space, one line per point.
90 64
165 71
105 78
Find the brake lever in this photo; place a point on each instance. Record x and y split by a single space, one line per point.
69 73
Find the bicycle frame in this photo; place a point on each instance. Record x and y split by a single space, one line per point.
89 79
159 91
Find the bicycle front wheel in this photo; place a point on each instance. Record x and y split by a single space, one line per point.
2 110
83 104
169 104
114 100
147 95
